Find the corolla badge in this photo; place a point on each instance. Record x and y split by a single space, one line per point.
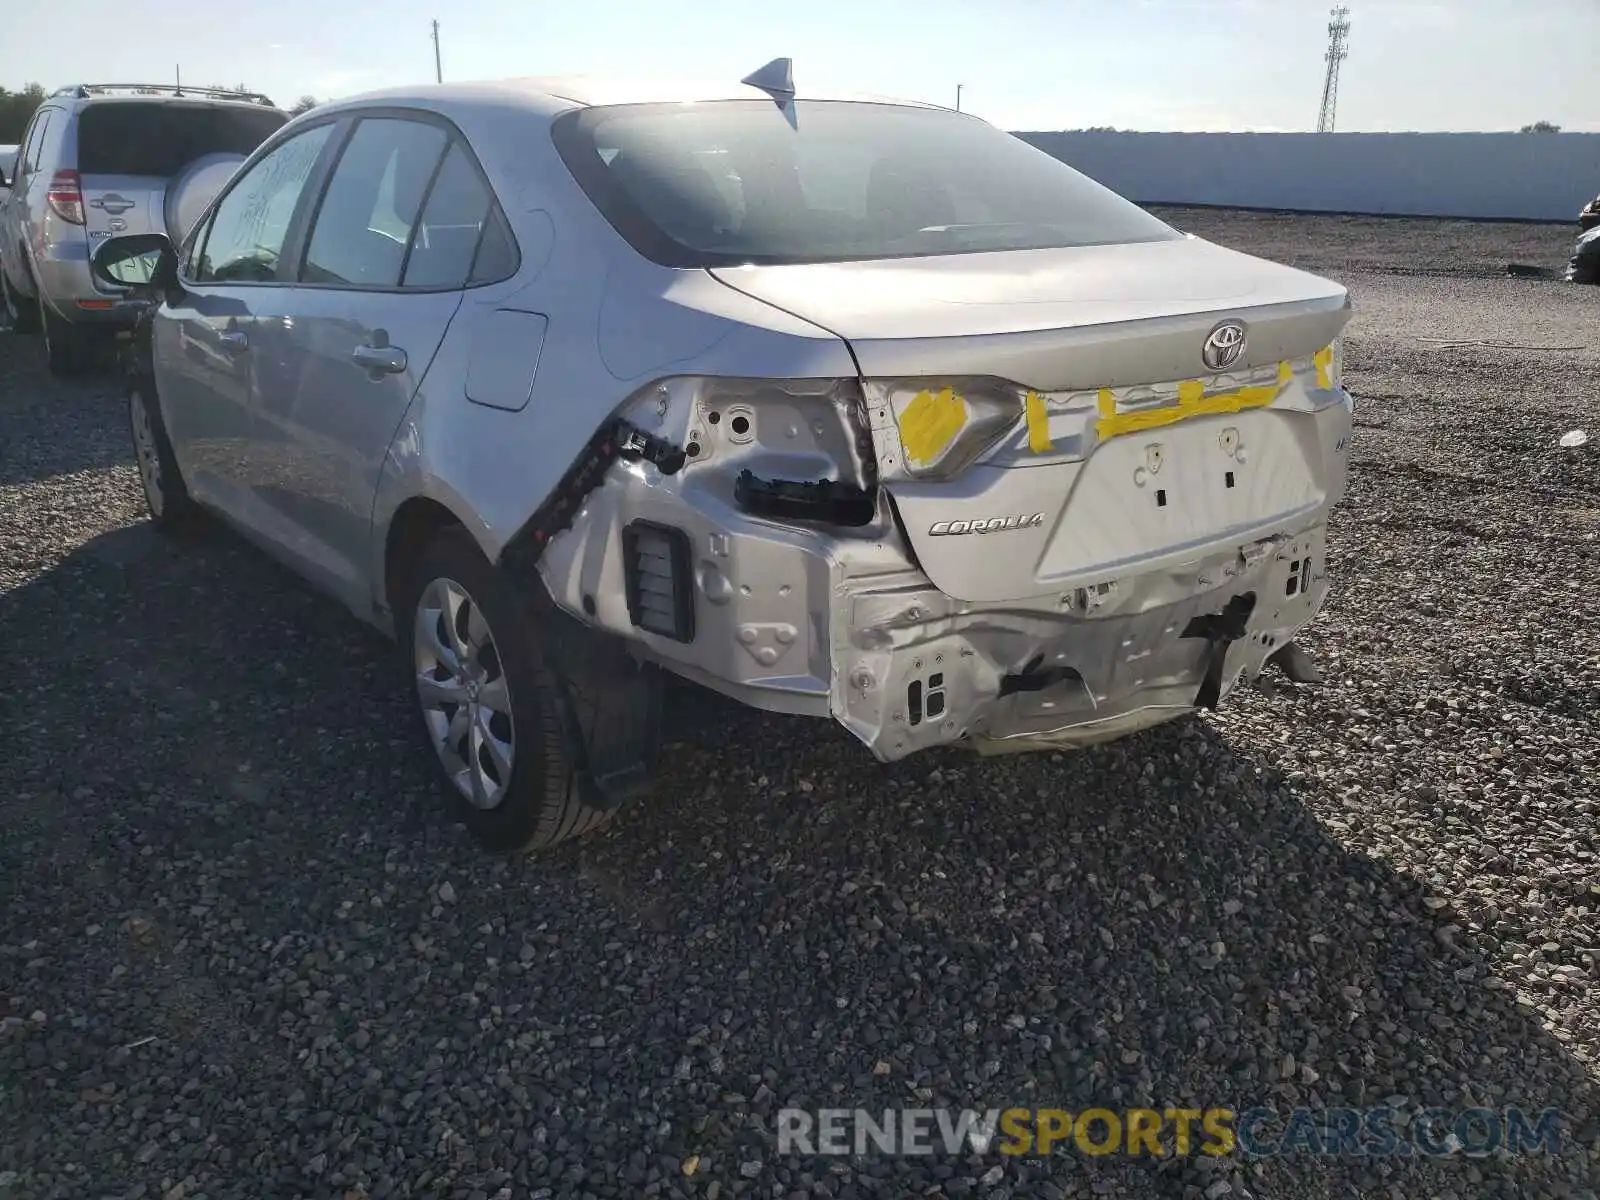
1224 344
987 525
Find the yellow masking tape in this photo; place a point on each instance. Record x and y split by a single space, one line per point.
931 422
1192 402
1038 424
1324 360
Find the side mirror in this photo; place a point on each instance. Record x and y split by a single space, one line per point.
144 263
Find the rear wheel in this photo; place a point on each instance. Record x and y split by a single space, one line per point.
489 709
68 348
21 313
165 493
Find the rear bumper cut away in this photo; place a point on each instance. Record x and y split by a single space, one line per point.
797 620
919 669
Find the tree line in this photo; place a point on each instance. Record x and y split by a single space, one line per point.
16 108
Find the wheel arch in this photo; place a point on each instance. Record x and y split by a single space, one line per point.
20 271
414 522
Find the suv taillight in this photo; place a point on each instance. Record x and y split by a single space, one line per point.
66 196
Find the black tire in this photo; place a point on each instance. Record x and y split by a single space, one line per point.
69 350
165 494
21 313
541 803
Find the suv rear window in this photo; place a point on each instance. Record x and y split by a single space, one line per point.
745 181
131 138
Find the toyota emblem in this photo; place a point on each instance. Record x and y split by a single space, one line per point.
1224 345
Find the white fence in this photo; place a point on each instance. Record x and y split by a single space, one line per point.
1515 176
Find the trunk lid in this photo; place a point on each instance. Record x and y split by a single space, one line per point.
1093 316
1128 454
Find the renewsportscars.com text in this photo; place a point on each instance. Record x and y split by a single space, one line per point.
1251 1133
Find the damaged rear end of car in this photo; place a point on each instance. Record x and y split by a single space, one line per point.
1076 483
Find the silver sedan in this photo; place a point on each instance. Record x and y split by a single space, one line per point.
842 406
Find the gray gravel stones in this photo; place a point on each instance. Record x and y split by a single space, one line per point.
242 954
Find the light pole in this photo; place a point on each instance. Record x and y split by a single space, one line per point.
438 71
958 96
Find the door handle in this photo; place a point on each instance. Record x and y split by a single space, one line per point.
234 340
379 360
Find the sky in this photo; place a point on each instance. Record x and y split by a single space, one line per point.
1023 64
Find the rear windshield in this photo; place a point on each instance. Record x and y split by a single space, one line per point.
748 181
130 138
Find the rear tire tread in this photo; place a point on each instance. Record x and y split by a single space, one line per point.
179 513
544 803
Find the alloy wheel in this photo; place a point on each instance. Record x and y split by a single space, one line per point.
465 697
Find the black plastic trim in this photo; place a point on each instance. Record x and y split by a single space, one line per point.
680 553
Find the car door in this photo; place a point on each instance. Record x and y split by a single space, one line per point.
388 252
8 198
207 362
15 225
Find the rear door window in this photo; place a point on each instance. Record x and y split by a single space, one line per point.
134 137
452 225
47 151
497 251
29 158
27 145
374 196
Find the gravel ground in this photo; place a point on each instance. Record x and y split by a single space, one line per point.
242 953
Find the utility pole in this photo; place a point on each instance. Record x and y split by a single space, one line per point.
177 73
1338 35
438 71
958 96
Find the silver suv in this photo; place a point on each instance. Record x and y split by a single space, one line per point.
99 160
844 407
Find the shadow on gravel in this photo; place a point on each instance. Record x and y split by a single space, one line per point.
53 427
220 870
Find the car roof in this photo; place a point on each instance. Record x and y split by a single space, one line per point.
188 98
555 93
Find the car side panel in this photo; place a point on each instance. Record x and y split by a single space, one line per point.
325 424
24 207
205 388
60 249
493 468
